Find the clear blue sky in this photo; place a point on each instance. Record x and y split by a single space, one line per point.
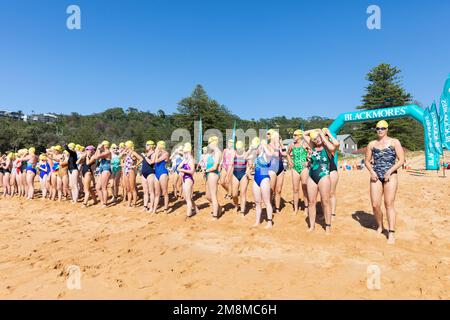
259 58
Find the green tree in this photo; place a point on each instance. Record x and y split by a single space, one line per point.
385 90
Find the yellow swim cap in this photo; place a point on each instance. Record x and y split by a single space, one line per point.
81 148
106 143
382 124
10 155
239 145
129 144
150 143
42 157
57 148
113 146
314 134
187 147
66 152
71 146
32 150
255 142
298 132
122 145
161 144
213 139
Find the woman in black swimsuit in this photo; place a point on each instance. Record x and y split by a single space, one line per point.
387 156
87 161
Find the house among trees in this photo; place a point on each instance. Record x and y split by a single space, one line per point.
46 117
348 145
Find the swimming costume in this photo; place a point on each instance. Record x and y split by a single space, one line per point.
44 169
147 169
210 164
115 164
383 160
105 165
299 157
333 166
31 167
55 167
160 169
129 163
177 160
23 166
227 158
276 163
85 168
72 161
262 168
187 176
320 165
240 167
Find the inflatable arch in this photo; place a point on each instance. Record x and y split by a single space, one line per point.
412 110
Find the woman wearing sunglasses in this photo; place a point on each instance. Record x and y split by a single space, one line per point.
319 176
383 157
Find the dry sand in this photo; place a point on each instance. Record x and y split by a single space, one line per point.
126 254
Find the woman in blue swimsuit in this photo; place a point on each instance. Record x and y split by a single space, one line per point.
261 183
276 171
44 174
240 172
213 175
103 155
319 176
383 158
31 160
161 176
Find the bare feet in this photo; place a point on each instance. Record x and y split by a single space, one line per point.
391 237
310 229
269 225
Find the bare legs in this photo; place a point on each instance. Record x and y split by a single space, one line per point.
30 182
188 190
389 189
102 187
211 193
296 183
161 187
323 188
262 194
242 186
223 181
87 189
334 181
6 184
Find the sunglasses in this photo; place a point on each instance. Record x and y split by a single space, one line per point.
380 129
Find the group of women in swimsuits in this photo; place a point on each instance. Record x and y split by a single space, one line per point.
64 171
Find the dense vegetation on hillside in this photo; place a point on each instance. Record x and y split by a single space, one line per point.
117 124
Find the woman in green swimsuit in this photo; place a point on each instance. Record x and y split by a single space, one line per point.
213 175
319 176
298 160
116 169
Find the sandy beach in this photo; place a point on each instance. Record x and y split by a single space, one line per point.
126 254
